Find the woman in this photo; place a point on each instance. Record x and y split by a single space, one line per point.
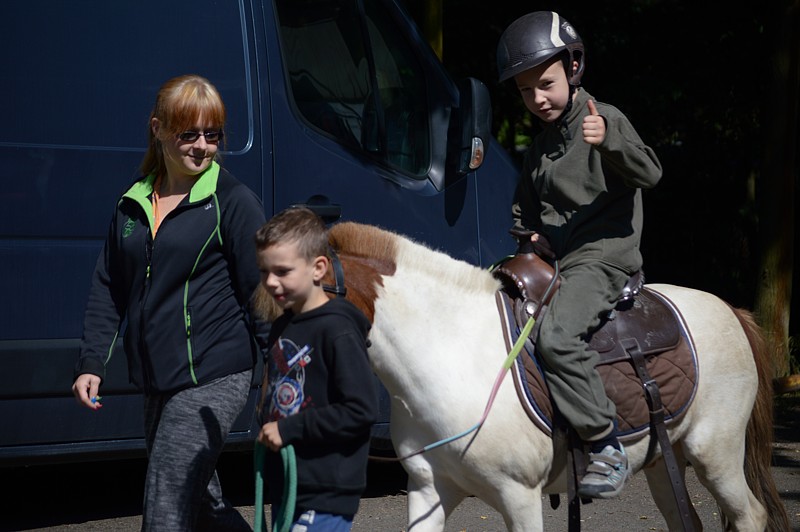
178 267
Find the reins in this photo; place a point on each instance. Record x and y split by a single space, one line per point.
283 521
512 355
497 382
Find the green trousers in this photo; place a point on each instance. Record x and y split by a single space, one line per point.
588 291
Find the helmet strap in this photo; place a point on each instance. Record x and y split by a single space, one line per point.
563 118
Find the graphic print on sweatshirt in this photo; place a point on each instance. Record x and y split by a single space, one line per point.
287 376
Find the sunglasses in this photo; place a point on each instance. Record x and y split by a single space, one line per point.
192 136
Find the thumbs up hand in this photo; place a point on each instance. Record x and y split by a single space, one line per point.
594 126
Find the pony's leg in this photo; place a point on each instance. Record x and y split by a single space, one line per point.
521 508
723 476
430 500
425 510
661 488
715 447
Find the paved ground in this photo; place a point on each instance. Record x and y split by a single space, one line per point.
107 498
634 510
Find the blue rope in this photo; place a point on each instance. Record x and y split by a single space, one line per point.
526 331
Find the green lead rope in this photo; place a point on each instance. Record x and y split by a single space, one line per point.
285 515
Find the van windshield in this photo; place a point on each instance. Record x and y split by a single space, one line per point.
357 81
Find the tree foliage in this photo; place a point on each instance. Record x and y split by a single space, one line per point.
698 85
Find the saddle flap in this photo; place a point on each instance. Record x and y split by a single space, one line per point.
646 318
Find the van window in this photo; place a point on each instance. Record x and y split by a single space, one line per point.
355 79
80 97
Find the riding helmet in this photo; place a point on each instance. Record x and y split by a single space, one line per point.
533 39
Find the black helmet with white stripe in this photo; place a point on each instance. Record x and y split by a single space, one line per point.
535 38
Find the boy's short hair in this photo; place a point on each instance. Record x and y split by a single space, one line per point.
298 225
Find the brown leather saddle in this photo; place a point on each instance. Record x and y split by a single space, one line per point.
647 362
644 322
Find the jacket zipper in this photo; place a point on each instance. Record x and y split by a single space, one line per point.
145 354
189 343
187 312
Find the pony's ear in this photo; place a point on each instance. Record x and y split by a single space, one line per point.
265 306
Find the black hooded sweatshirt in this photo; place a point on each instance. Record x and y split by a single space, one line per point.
320 388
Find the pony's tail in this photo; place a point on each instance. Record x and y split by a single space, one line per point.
758 440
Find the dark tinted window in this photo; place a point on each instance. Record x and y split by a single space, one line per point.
354 78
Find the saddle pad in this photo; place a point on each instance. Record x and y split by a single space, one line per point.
674 370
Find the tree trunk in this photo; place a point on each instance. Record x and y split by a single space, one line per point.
433 26
777 185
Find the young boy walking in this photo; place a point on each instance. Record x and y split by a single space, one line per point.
320 392
580 194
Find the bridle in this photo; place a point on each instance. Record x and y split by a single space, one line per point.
338 289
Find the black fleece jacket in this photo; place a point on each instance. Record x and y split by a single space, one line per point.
185 294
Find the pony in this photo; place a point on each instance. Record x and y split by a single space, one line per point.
436 340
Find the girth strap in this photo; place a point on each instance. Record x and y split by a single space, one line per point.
576 469
653 396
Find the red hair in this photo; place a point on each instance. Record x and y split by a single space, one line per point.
180 103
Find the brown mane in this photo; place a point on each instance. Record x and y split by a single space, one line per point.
376 245
366 253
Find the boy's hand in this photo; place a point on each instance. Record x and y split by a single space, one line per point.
542 246
594 126
270 437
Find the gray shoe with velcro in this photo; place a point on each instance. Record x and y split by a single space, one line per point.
605 475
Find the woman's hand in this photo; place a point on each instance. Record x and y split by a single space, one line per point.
85 390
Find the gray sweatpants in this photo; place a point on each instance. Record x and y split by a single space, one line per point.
587 292
185 433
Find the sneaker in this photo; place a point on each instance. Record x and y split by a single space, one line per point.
605 475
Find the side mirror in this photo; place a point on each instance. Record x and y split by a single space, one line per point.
472 126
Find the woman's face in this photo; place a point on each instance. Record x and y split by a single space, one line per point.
187 158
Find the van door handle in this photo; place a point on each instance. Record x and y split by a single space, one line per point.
322 207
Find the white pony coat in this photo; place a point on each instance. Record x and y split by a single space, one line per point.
437 346
442 381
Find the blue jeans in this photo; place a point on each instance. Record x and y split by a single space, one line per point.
312 521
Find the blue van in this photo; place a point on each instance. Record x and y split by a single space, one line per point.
335 103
